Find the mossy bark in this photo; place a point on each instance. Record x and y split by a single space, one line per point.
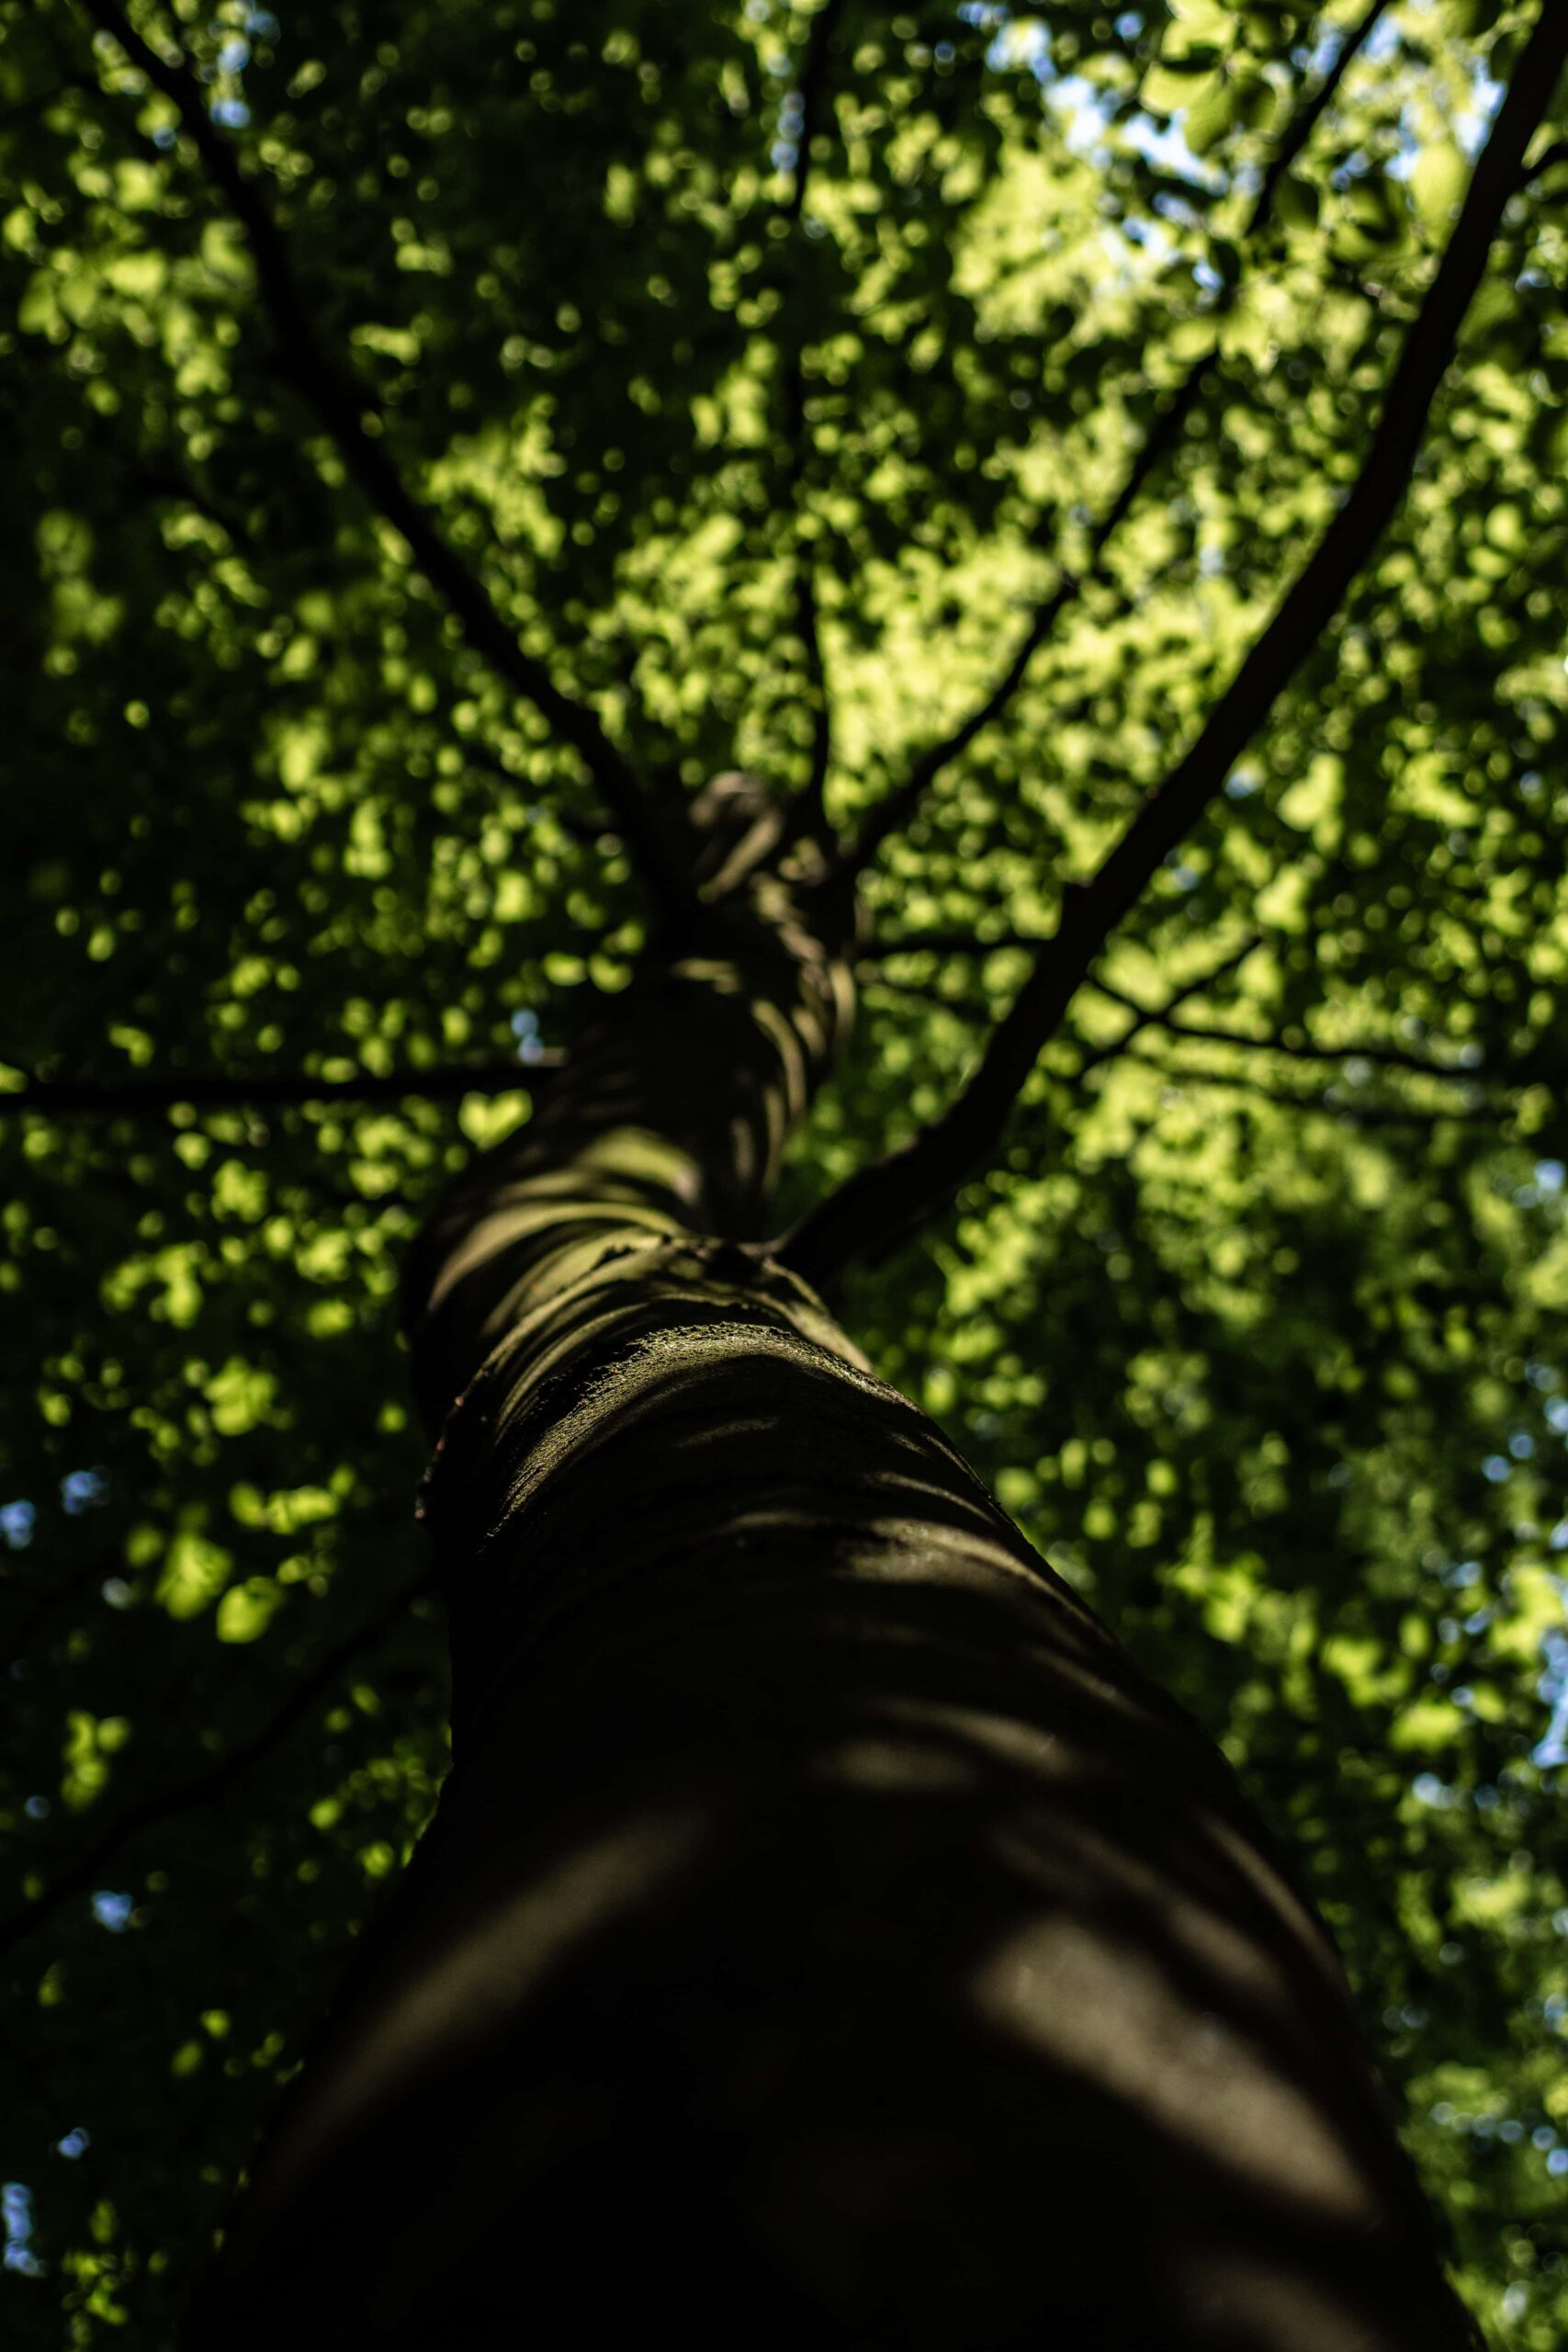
826 1937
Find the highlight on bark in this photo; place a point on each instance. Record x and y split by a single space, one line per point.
826 1933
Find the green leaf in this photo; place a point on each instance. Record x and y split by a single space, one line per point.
1257 99
1438 184
1297 203
195 1572
1167 89
1204 28
247 1610
1214 108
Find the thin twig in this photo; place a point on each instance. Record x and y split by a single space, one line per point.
893 814
1379 1052
209 1090
881 1203
1370 1115
341 404
1381 1056
1305 120
812 799
50 1600
214 1778
1153 1016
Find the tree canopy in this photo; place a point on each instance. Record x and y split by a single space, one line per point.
442 437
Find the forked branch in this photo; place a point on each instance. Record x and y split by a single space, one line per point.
1163 1015
341 404
883 1203
1377 1052
893 814
1373 1051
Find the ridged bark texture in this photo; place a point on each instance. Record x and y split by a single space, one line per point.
826 1937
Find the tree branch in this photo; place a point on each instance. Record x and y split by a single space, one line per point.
341 405
215 1778
1304 122
813 810
1378 1054
1146 1016
1160 1016
881 1204
49 1601
212 1090
891 815
1381 1056
1370 1115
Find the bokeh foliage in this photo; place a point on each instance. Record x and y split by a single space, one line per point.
1261 1337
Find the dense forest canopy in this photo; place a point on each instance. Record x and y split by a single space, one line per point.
422 420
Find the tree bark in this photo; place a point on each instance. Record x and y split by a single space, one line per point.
826 1936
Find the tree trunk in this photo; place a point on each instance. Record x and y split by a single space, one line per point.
826 1937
